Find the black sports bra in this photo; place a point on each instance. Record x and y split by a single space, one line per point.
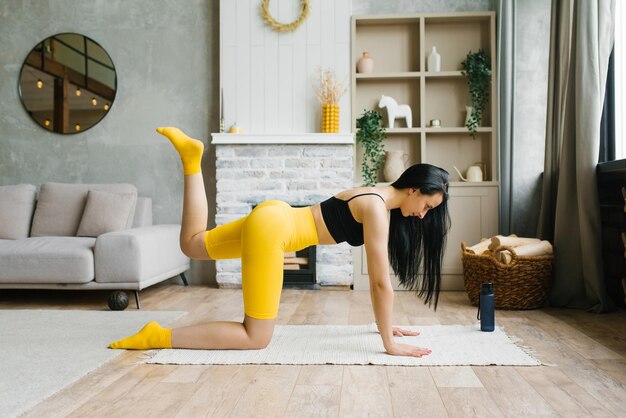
340 222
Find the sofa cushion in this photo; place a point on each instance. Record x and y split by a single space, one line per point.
47 260
106 212
60 207
16 210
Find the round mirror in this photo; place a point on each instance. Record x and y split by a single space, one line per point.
67 83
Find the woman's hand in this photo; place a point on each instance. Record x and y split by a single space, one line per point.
399 332
407 350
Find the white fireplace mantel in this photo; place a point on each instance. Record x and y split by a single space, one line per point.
291 138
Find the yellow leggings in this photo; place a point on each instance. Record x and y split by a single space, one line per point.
260 240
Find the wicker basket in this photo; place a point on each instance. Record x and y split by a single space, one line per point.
521 284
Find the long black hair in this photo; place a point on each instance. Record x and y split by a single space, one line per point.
418 244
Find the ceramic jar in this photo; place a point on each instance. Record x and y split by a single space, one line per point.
365 64
395 164
434 60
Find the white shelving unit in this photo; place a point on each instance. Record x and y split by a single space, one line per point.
399 45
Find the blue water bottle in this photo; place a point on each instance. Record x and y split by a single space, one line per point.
486 308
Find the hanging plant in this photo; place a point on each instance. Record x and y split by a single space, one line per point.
370 134
477 69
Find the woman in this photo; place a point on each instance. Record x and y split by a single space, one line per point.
358 216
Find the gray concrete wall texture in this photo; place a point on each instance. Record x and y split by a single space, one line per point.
532 51
166 55
166 61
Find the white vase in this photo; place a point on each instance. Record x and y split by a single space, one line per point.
365 64
395 164
468 113
434 60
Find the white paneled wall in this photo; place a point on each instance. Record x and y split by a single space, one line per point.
269 78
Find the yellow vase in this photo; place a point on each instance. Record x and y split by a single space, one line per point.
330 118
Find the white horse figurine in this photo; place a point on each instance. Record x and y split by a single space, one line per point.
394 111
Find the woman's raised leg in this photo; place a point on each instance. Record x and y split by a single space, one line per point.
221 242
195 208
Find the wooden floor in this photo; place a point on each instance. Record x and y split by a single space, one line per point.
587 376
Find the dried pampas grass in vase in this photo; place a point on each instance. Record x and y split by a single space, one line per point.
329 92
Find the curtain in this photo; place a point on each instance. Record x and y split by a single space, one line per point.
505 12
581 40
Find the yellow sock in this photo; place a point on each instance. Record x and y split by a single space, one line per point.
152 335
190 149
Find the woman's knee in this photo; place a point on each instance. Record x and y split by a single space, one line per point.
259 342
259 332
194 247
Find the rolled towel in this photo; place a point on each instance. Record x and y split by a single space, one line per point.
511 241
540 248
504 256
483 247
479 248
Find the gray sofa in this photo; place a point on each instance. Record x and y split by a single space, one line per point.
84 236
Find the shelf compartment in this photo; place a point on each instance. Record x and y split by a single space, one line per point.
445 32
394 44
409 143
447 150
447 98
369 92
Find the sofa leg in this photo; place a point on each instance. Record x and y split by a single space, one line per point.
137 299
184 279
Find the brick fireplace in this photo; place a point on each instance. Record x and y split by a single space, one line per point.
299 169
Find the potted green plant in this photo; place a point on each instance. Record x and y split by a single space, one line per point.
370 134
477 69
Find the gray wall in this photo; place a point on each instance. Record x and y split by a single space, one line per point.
532 32
166 55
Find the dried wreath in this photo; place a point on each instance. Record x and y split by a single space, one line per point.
284 27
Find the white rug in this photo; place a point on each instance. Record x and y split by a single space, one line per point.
44 351
451 345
